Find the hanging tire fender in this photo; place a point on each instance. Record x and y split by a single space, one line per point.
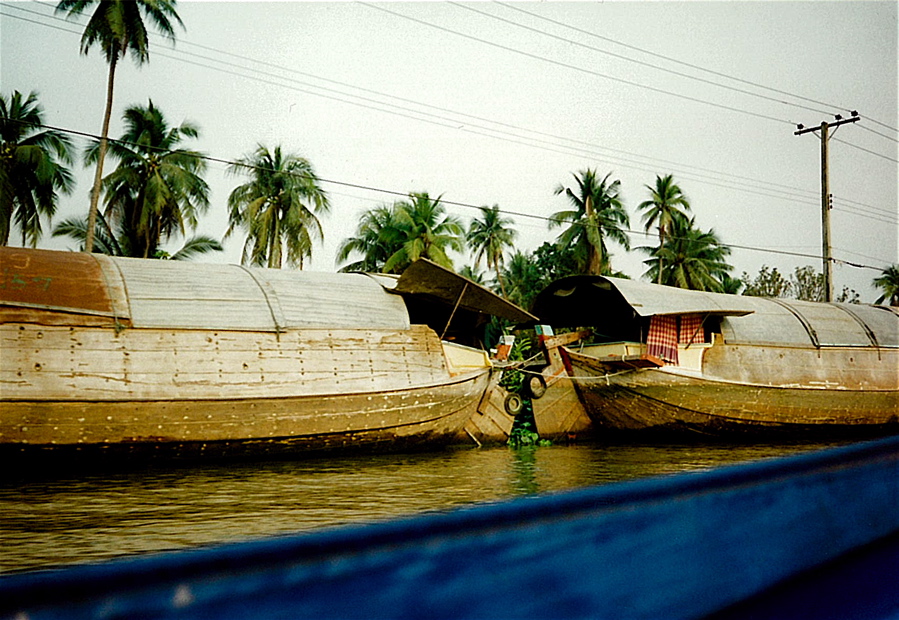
513 404
536 386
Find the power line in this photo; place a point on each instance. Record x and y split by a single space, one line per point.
697 67
668 58
414 114
403 194
594 73
629 59
575 67
464 205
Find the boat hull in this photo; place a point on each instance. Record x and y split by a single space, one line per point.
189 428
95 390
669 401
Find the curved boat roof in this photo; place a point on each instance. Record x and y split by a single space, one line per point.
179 295
598 301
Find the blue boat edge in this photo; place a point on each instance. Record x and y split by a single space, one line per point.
685 545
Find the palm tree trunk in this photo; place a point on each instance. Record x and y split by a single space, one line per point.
499 277
661 243
98 177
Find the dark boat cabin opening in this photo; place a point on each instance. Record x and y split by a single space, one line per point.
593 302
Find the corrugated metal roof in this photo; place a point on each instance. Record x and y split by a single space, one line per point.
193 296
646 299
178 295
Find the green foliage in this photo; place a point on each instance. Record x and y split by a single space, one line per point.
276 208
598 214
888 282
488 237
768 283
689 258
805 284
391 237
157 190
666 204
528 273
118 28
32 167
524 434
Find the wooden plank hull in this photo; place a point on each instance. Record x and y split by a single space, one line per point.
682 546
195 392
668 400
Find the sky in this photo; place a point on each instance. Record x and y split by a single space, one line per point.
496 103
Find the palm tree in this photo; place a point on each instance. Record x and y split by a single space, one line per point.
31 167
690 258
524 279
888 282
157 189
422 230
107 242
666 202
488 237
371 240
117 26
598 214
276 207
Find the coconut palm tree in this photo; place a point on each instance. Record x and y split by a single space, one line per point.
690 258
598 215
488 237
523 278
117 26
422 230
32 169
276 207
666 202
888 282
371 240
157 189
106 241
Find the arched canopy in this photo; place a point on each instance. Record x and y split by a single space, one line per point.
179 295
615 308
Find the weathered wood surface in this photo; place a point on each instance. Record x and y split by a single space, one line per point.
80 386
490 423
667 400
674 547
559 413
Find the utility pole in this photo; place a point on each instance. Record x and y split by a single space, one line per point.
826 198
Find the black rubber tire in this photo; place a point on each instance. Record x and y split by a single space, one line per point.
536 386
513 404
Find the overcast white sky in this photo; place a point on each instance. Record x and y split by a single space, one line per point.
494 103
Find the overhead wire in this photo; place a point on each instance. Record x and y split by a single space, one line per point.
403 194
580 44
574 67
400 194
370 103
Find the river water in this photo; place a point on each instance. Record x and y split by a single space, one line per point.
49 521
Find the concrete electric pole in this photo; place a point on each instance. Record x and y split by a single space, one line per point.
826 198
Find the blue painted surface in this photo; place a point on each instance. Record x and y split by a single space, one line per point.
678 547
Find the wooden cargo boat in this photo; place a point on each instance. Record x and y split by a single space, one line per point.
104 355
814 535
667 360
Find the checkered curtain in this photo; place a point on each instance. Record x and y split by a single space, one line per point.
691 331
662 339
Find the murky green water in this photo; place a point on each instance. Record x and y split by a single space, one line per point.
50 521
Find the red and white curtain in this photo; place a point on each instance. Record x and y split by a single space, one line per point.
662 339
